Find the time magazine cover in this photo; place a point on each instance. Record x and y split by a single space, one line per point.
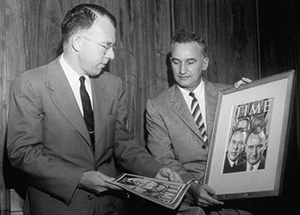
165 193
251 122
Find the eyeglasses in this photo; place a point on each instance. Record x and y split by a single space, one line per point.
106 47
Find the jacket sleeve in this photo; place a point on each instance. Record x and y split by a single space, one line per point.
159 143
129 153
25 145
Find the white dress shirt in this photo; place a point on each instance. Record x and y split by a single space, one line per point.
199 93
252 167
231 163
73 78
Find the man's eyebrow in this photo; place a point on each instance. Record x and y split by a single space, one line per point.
188 59
191 59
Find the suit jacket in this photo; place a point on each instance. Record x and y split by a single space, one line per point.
228 168
174 138
243 165
49 141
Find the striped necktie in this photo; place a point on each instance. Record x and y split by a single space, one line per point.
196 112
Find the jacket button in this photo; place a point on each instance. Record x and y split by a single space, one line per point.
203 146
90 197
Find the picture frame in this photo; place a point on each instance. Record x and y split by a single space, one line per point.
250 137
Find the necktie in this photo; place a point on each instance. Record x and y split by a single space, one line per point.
88 114
196 112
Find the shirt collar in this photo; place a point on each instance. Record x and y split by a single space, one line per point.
255 166
232 163
199 91
69 71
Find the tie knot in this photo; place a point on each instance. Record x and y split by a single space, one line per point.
192 94
82 79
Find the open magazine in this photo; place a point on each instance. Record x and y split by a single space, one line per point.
165 193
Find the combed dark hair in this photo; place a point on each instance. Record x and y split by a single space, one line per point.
187 37
82 17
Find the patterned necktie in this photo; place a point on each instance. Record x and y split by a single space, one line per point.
88 114
196 112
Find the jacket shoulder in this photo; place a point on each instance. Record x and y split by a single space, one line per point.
35 77
164 95
218 86
110 78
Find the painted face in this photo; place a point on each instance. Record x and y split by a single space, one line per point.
254 149
96 47
236 145
188 62
144 183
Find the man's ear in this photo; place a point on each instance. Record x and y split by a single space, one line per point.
205 63
75 42
266 145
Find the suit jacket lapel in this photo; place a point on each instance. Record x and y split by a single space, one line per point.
211 99
100 97
182 110
64 98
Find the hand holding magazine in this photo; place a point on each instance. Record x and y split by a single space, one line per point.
165 193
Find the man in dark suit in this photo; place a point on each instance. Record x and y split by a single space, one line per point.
256 146
235 149
67 127
178 132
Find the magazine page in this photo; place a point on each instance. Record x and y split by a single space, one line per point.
165 193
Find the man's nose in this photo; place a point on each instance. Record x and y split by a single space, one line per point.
110 54
182 69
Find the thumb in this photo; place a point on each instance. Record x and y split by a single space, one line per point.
208 189
105 177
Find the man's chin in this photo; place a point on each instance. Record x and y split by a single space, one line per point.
97 74
253 162
233 156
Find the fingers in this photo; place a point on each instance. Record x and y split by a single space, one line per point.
206 196
203 203
97 182
208 201
168 174
242 81
105 177
99 190
163 174
172 176
208 189
177 178
238 84
246 80
107 186
106 183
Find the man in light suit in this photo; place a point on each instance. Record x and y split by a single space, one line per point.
174 138
67 166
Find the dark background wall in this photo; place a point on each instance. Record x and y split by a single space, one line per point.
250 38
279 50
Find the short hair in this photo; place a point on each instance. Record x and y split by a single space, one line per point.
187 37
235 130
82 17
261 134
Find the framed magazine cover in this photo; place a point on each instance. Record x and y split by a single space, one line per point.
249 140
